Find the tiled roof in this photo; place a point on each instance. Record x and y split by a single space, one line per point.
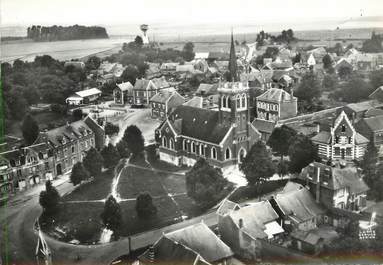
196 102
160 82
348 177
127 86
162 96
207 89
141 84
298 203
374 123
373 112
277 95
201 124
322 137
227 206
72 131
88 92
254 217
360 139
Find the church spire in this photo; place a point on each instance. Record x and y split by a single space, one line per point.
233 68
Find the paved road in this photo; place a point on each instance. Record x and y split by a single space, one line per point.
20 239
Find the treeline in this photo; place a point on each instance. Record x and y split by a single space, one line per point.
286 36
55 33
373 45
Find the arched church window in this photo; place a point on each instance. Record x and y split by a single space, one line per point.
164 142
227 153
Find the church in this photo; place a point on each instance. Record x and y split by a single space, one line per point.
222 136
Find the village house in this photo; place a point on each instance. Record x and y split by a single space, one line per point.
86 96
24 167
248 229
168 67
195 244
340 141
164 102
336 187
69 144
371 127
343 63
123 94
297 208
223 137
271 106
145 89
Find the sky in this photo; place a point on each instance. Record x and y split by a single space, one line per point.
115 12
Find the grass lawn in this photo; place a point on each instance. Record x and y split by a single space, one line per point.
98 189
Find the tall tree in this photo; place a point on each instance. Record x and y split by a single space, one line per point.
134 140
327 61
329 82
78 174
93 162
110 156
257 165
205 184
130 74
344 72
111 215
49 199
280 139
188 51
309 88
138 42
93 63
302 152
144 205
30 129
122 148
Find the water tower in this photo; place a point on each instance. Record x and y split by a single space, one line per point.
144 28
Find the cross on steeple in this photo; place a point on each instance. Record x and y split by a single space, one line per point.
233 68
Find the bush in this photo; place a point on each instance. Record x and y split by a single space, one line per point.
145 206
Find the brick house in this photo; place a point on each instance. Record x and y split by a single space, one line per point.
223 137
340 140
334 187
164 102
271 106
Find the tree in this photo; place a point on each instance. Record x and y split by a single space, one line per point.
327 61
138 42
280 139
130 74
111 215
344 72
49 199
188 51
78 174
354 90
302 152
93 162
257 165
376 78
110 156
368 163
134 140
77 114
144 205
93 63
282 168
309 88
374 44
111 129
122 148
205 184
30 129
329 82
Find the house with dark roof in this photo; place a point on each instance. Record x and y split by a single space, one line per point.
247 229
195 244
371 127
164 102
271 106
297 208
68 144
335 187
222 136
340 141
123 93
145 89
24 167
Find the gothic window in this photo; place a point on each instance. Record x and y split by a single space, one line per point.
214 153
202 149
223 102
227 153
164 142
238 101
228 102
343 128
185 145
193 147
171 143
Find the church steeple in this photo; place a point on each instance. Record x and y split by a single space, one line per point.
233 68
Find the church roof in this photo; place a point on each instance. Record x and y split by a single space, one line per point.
198 123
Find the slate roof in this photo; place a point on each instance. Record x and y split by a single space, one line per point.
374 123
141 84
160 82
183 247
196 102
263 125
162 96
322 137
348 177
298 203
373 112
276 95
207 89
254 218
198 123
72 131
